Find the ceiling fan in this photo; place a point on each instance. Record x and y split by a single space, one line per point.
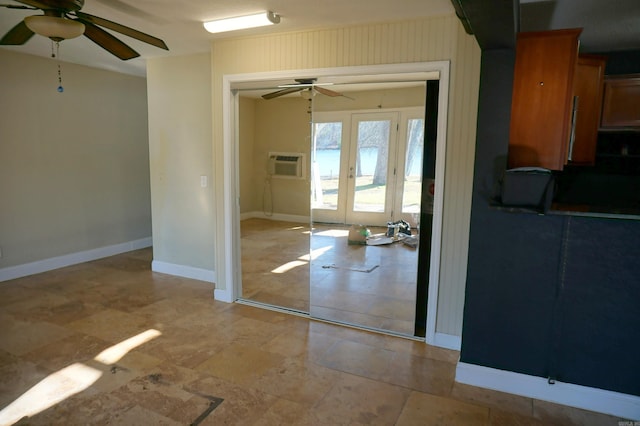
62 19
308 84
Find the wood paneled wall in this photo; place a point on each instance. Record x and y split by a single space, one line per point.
432 39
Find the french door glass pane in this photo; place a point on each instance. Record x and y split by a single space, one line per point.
371 166
326 165
413 166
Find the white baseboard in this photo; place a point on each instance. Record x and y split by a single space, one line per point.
223 296
587 398
192 273
447 341
39 266
184 271
276 216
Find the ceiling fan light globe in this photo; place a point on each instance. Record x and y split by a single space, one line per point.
53 27
308 94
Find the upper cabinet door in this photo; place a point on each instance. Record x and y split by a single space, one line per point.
588 91
621 102
542 102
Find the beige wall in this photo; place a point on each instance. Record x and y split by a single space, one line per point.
250 185
282 125
372 99
179 95
74 166
180 153
432 39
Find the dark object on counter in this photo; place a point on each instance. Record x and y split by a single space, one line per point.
528 187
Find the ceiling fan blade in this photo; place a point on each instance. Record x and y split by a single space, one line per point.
331 93
19 34
327 92
282 92
15 6
108 42
138 35
35 4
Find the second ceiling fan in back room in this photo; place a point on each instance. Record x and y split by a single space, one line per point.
301 84
62 19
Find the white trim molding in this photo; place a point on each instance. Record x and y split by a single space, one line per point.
587 398
276 216
183 271
223 296
44 265
227 242
447 341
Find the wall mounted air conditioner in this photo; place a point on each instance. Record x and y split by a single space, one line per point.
287 165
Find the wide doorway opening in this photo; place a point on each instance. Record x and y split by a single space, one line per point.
317 157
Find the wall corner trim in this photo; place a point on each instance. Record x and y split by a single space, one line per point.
183 271
447 341
44 265
587 398
222 296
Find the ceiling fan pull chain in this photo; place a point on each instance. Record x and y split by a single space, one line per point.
56 54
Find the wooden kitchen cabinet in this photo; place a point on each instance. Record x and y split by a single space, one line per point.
542 99
621 106
588 90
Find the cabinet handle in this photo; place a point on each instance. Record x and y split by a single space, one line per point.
574 119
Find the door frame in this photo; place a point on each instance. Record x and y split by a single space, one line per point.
227 244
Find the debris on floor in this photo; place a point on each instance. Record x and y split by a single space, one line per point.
363 268
383 239
358 235
378 240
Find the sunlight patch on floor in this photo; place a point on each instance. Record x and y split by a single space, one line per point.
115 353
288 266
336 233
315 253
51 390
68 381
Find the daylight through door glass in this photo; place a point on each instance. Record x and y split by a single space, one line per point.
413 166
326 165
370 171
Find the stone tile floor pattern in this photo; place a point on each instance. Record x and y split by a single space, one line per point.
109 342
277 269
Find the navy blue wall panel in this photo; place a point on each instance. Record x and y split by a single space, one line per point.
511 289
511 275
549 296
599 336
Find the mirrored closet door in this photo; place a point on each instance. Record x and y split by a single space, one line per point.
366 162
314 163
273 149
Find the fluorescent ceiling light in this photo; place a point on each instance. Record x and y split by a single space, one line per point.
242 22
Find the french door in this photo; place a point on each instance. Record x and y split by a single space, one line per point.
371 174
367 167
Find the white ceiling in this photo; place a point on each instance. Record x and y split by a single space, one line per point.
608 25
179 24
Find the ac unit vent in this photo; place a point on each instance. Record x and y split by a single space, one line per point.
287 165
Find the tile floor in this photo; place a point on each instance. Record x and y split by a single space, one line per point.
277 268
110 342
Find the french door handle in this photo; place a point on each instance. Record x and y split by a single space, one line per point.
350 172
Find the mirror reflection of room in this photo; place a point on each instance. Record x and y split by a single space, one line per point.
314 165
